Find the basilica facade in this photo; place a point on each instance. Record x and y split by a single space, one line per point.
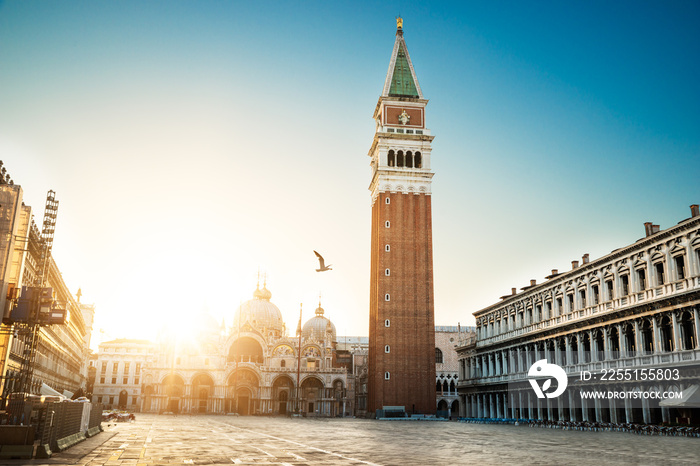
251 368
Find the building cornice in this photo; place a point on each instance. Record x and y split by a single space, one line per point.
641 244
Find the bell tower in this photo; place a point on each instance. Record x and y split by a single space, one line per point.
402 322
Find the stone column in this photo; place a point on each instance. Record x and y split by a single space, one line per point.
598 410
622 341
612 406
646 413
591 340
657 337
638 338
665 415
696 319
579 347
572 406
527 357
676 332
606 344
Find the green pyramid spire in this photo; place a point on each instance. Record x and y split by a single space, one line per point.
402 84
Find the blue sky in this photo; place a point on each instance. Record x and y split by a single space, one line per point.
192 143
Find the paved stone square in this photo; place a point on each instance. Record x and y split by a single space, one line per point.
159 440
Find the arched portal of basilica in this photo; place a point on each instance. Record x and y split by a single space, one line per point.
250 368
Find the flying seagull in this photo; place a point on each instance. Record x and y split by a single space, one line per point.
322 264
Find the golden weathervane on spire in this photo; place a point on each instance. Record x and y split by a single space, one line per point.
399 22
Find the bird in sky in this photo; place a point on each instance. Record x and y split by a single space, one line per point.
322 263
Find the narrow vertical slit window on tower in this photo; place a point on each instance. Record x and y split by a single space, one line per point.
387 272
387 349
387 323
387 200
387 297
387 248
387 224
387 376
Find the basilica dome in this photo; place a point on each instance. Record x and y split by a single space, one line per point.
316 327
259 312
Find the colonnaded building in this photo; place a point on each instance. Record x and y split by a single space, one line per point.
254 367
637 308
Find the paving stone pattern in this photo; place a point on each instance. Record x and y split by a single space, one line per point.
161 440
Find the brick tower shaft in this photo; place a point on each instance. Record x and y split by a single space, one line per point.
402 323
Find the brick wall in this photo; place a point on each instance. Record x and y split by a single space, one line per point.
411 334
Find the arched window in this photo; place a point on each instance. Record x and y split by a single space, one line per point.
647 337
418 160
387 323
387 297
687 327
399 161
387 272
387 349
387 376
387 200
666 331
599 345
438 356
387 248
387 224
409 159
391 159
614 343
